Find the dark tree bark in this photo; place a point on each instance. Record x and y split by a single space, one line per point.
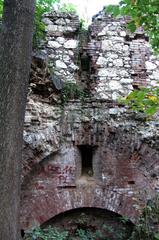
15 56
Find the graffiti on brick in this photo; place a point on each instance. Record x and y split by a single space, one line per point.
63 174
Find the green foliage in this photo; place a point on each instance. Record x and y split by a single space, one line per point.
143 13
124 219
72 91
47 234
145 100
105 233
87 235
82 232
42 6
68 8
147 227
1 8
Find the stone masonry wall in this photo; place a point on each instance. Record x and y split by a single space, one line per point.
121 60
91 152
62 46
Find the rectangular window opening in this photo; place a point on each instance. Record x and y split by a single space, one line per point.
86 160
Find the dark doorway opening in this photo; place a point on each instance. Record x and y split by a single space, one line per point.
93 223
85 62
86 160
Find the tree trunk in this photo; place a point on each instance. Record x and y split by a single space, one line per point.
15 56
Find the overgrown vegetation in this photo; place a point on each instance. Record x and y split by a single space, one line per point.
73 91
42 6
148 226
145 100
106 233
46 234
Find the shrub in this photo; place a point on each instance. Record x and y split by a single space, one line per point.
73 91
47 234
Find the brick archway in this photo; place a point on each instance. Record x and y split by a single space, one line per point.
122 170
92 220
47 205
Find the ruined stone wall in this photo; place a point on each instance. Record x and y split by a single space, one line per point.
121 60
90 152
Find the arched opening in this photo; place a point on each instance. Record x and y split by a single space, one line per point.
93 223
